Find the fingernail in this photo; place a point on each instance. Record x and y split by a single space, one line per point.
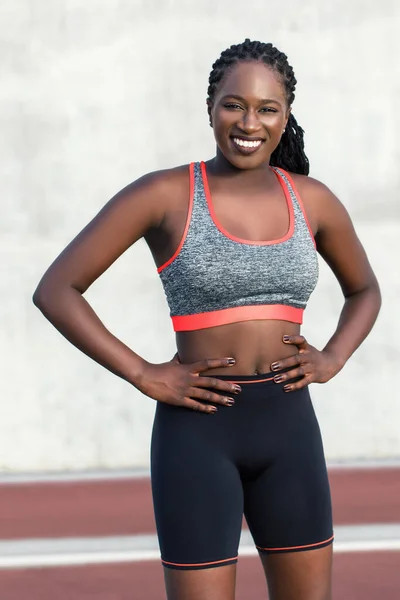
230 401
279 379
231 361
286 338
286 388
275 366
213 410
237 389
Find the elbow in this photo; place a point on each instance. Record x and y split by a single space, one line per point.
49 295
378 297
37 296
374 300
41 297
52 293
375 293
370 294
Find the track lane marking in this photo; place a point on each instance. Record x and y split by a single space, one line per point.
123 556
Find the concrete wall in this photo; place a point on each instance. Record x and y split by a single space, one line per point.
96 93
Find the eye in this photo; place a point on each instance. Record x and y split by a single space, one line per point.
232 105
268 109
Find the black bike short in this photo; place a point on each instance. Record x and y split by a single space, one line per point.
261 457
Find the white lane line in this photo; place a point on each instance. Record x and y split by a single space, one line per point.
110 557
12 478
8 476
76 559
367 546
343 547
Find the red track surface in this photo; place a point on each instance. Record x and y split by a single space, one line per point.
364 576
123 507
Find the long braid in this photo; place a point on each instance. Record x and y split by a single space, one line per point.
289 153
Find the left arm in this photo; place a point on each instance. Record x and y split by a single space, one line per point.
341 249
338 244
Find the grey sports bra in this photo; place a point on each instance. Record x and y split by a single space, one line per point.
215 278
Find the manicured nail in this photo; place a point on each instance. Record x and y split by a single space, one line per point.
230 402
279 378
231 361
237 389
286 388
275 366
213 410
286 338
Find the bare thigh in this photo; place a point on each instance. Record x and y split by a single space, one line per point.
299 575
202 584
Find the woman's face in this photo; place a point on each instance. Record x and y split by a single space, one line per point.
248 114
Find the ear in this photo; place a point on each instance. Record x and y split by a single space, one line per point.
288 113
209 109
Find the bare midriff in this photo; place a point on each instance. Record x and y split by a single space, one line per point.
253 344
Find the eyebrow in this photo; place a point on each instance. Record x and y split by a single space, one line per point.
263 101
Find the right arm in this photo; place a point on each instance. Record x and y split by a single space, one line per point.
137 209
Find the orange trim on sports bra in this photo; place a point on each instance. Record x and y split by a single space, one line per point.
188 218
226 233
299 200
225 316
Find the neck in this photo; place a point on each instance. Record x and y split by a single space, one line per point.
220 166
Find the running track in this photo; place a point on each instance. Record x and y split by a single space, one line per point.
122 507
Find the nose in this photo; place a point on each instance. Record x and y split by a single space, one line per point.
250 122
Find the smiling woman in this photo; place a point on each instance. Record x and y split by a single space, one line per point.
239 115
288 151
235 241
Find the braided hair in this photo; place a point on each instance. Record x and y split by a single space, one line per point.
289 154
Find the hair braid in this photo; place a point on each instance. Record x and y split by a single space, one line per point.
289 153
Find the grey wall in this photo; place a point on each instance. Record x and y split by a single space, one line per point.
93 94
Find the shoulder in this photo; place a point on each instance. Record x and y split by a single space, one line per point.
320 203
154 193
163 182
311 187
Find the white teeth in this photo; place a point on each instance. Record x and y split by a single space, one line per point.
247 144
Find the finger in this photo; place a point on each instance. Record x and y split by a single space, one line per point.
199 407
211 363
217 384
297 340
292 374
285 363
302 383
209 396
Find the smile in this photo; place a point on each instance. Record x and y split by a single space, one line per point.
246 146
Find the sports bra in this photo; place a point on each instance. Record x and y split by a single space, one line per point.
215 278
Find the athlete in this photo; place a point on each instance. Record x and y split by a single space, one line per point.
235 240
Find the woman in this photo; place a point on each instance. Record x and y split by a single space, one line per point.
235 241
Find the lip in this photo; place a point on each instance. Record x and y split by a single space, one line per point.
242 149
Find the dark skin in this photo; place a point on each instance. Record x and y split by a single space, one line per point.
250 204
